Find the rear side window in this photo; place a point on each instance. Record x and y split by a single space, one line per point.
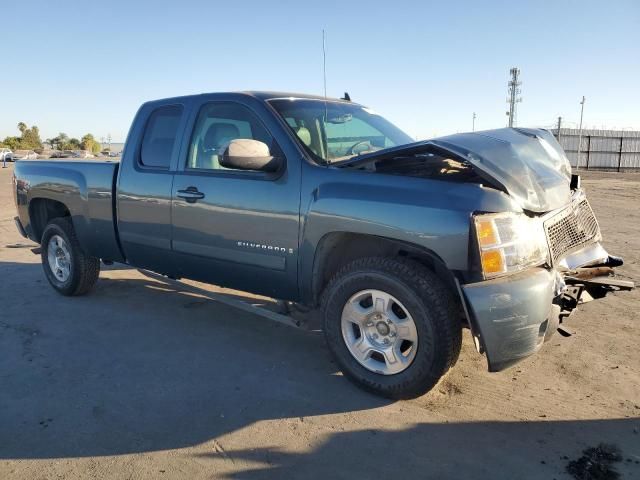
160 136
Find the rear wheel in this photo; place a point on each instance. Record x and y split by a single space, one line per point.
67 267
392 325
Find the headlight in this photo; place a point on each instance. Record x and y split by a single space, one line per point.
510 242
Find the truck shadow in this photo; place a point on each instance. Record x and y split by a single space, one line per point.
491 450
143 364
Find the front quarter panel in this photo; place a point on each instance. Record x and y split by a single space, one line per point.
430 214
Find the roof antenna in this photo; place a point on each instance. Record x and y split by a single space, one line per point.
324 66
346 97
324 74
324 81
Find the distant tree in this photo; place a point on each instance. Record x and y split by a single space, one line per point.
88 142
31 139
28 140
57 142
72 144
12 142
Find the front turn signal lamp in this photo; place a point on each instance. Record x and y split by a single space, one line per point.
509 242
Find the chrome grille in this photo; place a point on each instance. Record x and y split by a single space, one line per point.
571 228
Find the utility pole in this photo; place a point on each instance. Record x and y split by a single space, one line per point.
559 127
514 92
109 141
580 133
473 124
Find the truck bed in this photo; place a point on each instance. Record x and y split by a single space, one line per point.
85 187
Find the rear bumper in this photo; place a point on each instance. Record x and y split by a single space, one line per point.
512 315
20 227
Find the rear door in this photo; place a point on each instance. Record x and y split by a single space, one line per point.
144 186
235 228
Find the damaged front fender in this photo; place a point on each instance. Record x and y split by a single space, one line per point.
511 315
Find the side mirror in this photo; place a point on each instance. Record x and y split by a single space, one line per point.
247 154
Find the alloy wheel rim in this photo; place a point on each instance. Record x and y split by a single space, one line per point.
379 332
59 258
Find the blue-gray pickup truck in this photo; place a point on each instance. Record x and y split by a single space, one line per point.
323 202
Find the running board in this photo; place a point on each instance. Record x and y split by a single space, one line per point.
246 306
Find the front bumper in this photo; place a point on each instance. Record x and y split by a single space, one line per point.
511 317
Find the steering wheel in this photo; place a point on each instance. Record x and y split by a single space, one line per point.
351 149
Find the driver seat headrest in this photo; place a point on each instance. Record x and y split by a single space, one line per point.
219 134
304 135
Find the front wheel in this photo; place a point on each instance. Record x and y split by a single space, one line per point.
392 325
67 267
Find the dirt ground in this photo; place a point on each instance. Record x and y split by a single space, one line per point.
147 378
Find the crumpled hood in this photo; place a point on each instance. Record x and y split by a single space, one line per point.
529 163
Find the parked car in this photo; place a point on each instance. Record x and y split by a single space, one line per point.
6 155
46 153
323 202
24 155
62 154
81 154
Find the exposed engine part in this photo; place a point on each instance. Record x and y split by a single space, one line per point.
589 283
569 300
586 273
564 332
428 165
575 182
614 261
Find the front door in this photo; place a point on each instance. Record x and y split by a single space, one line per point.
235 228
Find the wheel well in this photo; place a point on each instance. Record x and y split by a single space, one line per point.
42 211
339 248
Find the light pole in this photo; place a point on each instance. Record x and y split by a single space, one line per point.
559 127
580 133
473 124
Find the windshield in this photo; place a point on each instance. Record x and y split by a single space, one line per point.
334 131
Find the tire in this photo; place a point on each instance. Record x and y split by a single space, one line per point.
76 272
410 288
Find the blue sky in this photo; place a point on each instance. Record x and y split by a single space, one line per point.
85 66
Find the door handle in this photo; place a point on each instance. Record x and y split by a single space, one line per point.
191 194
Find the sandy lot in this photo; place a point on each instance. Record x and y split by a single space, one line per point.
146 378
